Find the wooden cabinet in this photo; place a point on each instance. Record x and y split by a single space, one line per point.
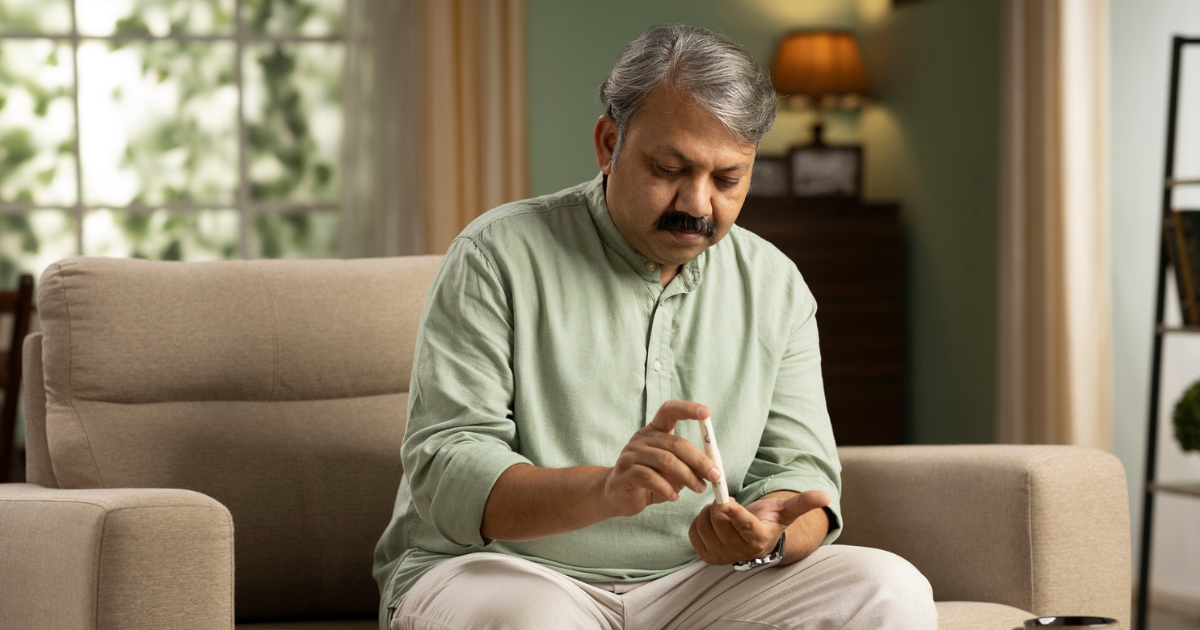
850 255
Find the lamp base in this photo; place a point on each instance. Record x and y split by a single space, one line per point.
818 134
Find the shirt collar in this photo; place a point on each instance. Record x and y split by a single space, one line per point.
692 272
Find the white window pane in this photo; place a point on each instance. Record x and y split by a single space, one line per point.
155 17
312 234
36 123
294 121
36 16
158 122
191 235
32 241
314 18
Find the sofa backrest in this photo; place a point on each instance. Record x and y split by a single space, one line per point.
277 387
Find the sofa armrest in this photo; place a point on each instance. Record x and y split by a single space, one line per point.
1041 528
114 558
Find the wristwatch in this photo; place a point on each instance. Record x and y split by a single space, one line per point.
771 558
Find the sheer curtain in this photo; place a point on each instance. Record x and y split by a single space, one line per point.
1054 339
436 129
381 210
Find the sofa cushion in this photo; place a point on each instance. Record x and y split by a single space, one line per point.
980 616
278 388
311 625
144 332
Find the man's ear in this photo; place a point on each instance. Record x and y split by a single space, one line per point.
605 137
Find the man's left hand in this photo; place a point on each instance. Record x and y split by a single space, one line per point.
725 534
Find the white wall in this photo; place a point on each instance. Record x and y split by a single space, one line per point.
1140 38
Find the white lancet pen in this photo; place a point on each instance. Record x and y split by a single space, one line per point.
710 448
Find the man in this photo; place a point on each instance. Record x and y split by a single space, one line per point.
552 477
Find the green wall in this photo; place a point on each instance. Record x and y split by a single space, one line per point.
931 141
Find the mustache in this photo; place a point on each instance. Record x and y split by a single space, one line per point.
684 222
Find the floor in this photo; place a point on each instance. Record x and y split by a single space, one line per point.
1167 619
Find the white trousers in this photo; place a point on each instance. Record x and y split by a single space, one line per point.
837 587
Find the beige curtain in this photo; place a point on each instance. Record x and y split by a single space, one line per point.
474 142
435 117
1054 337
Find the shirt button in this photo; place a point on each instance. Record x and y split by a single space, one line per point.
662 303
657 366
650 266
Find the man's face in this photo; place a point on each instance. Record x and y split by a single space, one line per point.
679 181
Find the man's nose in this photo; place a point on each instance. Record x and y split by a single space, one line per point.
693 197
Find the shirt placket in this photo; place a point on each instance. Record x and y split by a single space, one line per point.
660 357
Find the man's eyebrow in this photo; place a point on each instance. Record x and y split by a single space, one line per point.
675 153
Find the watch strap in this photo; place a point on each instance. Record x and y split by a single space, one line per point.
772 557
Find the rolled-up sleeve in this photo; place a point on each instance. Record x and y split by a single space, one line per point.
460 434
797 450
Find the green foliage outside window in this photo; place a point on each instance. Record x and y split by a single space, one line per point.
158 126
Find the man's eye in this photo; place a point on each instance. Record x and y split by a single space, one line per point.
667 173
724 183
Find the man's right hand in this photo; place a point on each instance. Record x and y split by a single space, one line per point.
656 464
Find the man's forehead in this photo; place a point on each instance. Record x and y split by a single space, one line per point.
726 163
671 122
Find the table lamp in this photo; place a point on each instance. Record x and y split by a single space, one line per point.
819 68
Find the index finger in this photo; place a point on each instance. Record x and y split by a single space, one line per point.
672 411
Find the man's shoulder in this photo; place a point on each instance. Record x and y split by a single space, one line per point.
519 217
768 275
758 255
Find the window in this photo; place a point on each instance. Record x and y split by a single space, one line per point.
169 129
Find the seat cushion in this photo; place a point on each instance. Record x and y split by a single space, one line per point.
370 624
980 616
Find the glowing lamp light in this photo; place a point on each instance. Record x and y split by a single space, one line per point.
820 67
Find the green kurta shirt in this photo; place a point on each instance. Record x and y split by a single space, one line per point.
547 339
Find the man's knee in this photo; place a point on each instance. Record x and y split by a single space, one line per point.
886 571
888 583
493 592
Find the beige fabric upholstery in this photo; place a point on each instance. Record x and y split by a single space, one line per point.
128 559
33 394
980 616
136 332
312 625
1039 528
276 387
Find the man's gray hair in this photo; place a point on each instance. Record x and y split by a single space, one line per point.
709 68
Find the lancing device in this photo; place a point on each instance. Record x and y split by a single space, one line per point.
710 448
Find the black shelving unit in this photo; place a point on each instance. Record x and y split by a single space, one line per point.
1153 486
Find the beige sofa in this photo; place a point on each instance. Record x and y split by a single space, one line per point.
189 423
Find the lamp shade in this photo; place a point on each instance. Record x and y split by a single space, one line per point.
819 63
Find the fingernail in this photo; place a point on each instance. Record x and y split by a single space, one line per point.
703 412
674 496
714 474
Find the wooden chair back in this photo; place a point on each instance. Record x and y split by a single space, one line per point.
19 304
